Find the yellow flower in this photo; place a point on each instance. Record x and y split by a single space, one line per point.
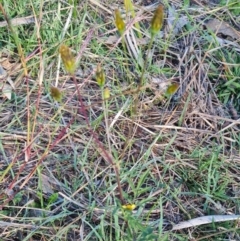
119 22
56 93
100 76
157 20
129 207
68 59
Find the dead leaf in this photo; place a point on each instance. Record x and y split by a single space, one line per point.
112 40
9 67
6 64
3 73
205 220
222 27
18 21
161 82
175 22
46 184
5 88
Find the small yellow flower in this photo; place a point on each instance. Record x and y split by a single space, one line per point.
68 59
100 76
56 93
129 207
106 93
119 22
157 20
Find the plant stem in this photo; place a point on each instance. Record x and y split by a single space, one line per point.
105 111
100 145
141 82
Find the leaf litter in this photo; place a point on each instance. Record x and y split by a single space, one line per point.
174 133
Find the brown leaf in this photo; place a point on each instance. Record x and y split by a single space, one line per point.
19 21
222 27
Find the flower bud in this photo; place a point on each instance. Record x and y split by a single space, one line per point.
157 20
106 94
68 59
100 76
56 93
119 22
171 90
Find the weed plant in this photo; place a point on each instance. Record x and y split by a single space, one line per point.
92 149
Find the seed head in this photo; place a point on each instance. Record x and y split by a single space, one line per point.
171 90
56 93
119 22
157 20
100 76
68 59
106 93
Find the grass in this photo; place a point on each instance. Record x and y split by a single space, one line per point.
177 155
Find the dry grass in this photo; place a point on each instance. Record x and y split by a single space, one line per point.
178 157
